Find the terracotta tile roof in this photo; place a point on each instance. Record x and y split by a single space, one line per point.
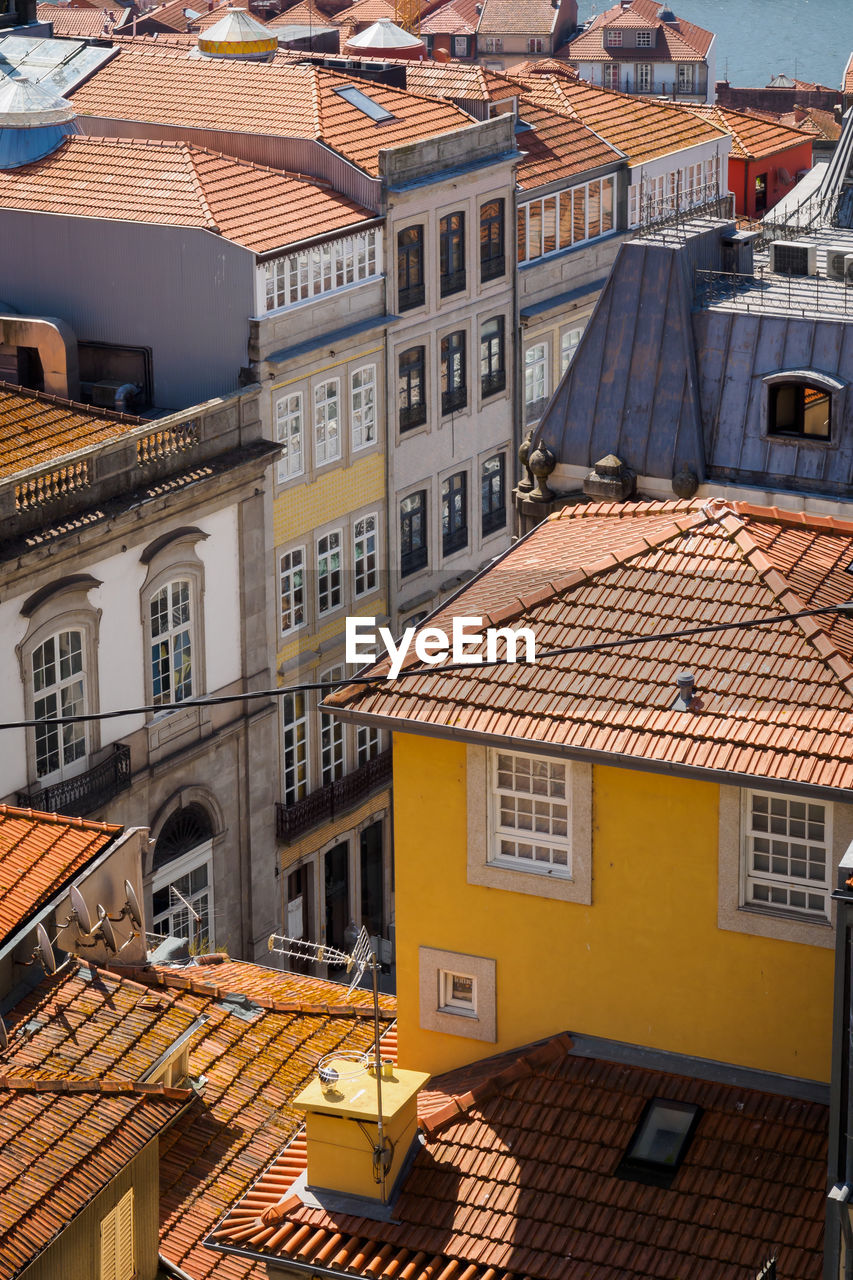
557 146
504 17
518 1179
640 128
847 86
774 705
304 14
545 67
752 136
40 853
679 42
62 1145
173 14
175 184
365 12
36 428
460 80
457 18
115 1024
68 20
281 97
811 120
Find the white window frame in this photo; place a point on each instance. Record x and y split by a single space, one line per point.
611 75
535 44
290 432
365 546
333 745
368 743
289 591
69 696
550 851
172 633
644 40
117 1241
309 273
612 39
363 406
765 887
569 343
176 869
558 209
334 594
643 77
494 44
456 1004
536 359
327 421
296 746
460 46
685 74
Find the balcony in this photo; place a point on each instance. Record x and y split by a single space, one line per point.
292 820
86 792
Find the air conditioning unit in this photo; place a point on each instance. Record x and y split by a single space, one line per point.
793 257
839 263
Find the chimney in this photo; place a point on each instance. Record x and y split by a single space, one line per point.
342 1127
686 684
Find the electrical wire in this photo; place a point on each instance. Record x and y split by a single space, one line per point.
845 608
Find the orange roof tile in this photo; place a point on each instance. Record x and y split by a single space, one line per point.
365 12
752 136
545 67
456 18
530 17
811 120
175 184
640 128
61 1147
174 14
40 853
518 1178
674 42
68 20
304 14
772 704
460 80
115 1024
847 86
282 97
36 428
557 146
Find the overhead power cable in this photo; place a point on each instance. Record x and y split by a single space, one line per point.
845 608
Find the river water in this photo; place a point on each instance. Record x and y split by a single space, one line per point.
757 39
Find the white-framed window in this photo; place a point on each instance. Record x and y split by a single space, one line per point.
493 44
294 714
644 39
329 572
685 77
307 274
556 222
535 379
569 343
292 589
787 862
365 532
327 432
610 75
613 39
59 689
332 744
181 891
170 620
368 743
289 434
363 406
457 993
530 827
460 46
117 1246
643 77
535 44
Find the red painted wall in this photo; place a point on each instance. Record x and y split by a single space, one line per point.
743 173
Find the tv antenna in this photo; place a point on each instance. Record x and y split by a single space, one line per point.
4 1036
195 915
356 961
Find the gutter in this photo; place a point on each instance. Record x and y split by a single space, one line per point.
171 1269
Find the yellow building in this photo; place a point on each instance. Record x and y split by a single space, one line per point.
640 842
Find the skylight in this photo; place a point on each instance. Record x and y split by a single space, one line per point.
660 1142
356 98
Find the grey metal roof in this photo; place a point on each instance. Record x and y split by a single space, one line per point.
59 64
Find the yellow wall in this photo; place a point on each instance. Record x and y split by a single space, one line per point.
646 963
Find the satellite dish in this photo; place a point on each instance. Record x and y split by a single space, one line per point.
45 950
4 1039
132 904
107 931
81 911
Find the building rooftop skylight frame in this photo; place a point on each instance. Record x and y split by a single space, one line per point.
660 1142
363 102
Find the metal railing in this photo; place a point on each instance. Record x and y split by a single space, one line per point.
453 400
85 792
412 415
452 282
292 820
492 268
492 383
766 291
411 297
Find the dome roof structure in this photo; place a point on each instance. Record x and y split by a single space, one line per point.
34 121
387 40
237 35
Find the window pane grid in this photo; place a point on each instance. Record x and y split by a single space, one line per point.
327 437
57 667
329 572
295 720
292 582
364 554
532 813
787 854
313 272
364 407
288 432
331 737
171 644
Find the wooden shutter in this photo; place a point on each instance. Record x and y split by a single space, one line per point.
117 1254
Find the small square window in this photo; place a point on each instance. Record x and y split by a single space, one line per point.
660 1142
457 993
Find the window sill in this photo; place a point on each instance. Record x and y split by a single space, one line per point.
511 864
792 437
790 917
448 1012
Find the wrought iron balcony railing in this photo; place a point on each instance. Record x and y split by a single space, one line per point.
291 820
491 383
85 792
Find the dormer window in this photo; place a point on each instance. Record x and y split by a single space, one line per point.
613 39
802 405
644 39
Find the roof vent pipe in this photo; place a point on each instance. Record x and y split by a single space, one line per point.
686 684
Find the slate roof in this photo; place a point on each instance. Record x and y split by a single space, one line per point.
639 128
41 853
753 137
282 97
69 20
115 1024
556 147
506 17
518 1179
774 704
62 1145
176 184
678 42
35 428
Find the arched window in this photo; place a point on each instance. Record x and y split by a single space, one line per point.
182 884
